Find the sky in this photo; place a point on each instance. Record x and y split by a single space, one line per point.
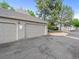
30 4
74 4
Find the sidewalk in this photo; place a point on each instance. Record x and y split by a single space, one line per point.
58 34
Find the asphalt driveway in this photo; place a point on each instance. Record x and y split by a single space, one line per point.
45 47
74 33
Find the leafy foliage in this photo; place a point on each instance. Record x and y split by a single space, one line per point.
5 5
31 12
49 8
51 27
55 12
66 15
43 6
75 23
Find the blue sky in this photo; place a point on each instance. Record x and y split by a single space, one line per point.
75 6
30 4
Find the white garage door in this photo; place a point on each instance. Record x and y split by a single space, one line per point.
34 30
7 32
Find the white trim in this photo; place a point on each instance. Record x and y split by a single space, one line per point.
46 30
17 31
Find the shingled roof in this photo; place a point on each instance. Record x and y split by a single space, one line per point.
19 16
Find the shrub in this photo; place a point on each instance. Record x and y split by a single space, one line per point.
75 23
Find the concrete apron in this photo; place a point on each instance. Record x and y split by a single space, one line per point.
58 34
64 34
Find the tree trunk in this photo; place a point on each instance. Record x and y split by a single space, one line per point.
60 26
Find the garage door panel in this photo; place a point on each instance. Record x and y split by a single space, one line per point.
34 30
7 32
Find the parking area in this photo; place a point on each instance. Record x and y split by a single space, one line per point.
45 47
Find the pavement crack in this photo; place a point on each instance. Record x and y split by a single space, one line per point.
44 49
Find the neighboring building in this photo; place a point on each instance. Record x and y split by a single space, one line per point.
66 28
15 26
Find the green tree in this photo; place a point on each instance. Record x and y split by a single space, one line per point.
55 12
75 23
42 8
5 5
49 10
48 7
31 13
66 15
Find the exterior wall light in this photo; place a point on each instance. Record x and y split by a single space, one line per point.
20 25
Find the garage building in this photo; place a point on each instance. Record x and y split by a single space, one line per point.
15 26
